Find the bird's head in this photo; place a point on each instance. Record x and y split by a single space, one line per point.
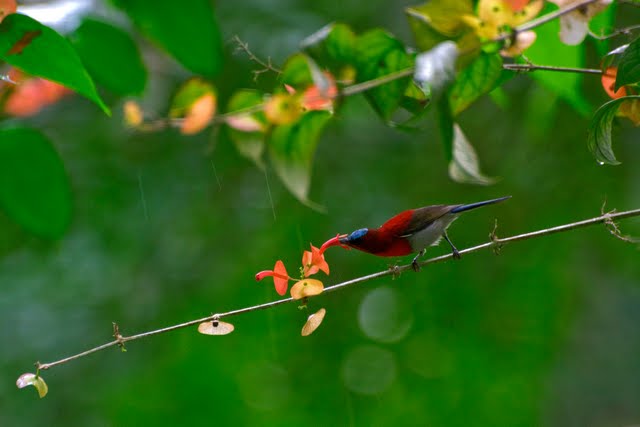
346 240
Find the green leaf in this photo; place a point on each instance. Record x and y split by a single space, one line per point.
40 51
479 78
599 137
333 45
548 49
189 31
296 72
341 43
292 147
111 57
34 188
438 20
247 131
629 66
380 54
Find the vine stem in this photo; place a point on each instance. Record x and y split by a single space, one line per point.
534 67
495 242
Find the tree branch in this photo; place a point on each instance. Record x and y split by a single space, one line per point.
495 242
622 31
266 66
553 15
534 67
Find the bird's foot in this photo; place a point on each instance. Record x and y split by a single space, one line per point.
395 270
414 263
456 254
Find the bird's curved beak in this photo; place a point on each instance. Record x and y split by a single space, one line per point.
339 240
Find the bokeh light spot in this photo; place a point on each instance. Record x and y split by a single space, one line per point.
384 316
368 370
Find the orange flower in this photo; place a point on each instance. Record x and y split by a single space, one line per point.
31 94
317 97
280 277
313 261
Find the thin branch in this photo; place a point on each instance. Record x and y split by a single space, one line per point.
365 86
553 15
534 67
495 243
267 66
616 33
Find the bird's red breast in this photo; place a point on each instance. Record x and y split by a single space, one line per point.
382 243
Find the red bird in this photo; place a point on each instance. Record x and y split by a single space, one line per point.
408 232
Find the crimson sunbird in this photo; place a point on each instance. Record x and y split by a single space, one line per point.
408 232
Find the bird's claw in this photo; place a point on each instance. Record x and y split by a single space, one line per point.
395 270
456 254
415 265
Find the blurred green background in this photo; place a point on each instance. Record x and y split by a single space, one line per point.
168 228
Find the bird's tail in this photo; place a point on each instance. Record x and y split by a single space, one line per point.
470 206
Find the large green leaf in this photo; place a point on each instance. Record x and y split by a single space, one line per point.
599 138
333 46
292 148
477 79
378 54
296 72
188 31
40 51
34 188
111 56
629 66
549 50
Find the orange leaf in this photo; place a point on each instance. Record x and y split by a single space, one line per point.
133 115
7 7
199 115
306 288
608 83
313 321
631 110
